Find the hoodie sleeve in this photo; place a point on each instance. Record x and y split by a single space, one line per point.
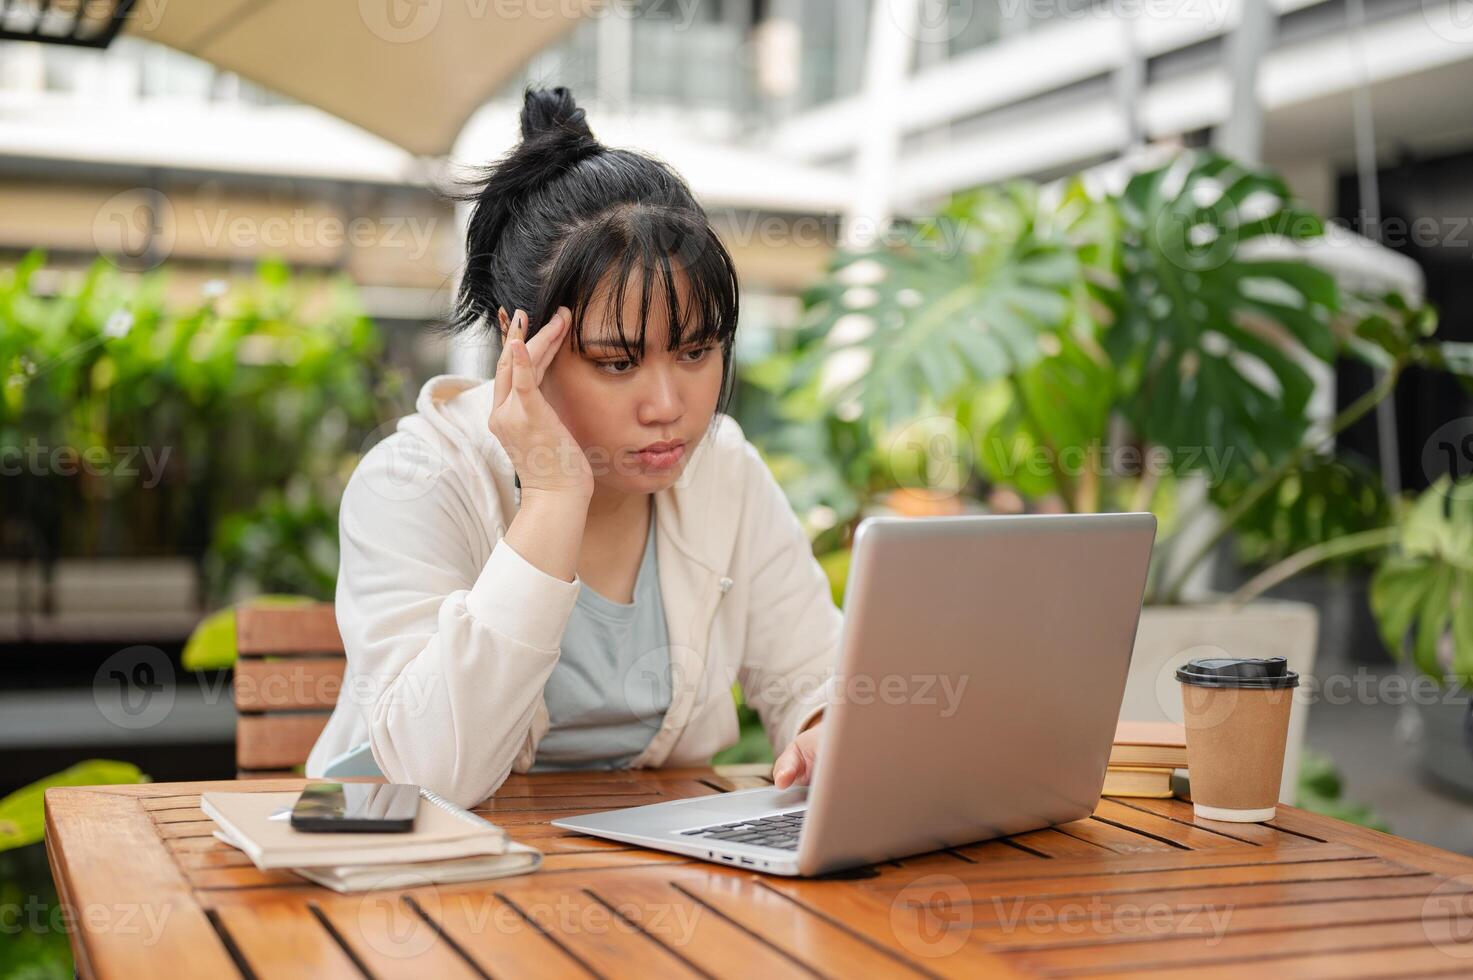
449 655
793 626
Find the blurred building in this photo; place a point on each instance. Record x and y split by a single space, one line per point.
787 118
797 124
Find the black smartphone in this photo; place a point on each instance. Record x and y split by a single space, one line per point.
345 807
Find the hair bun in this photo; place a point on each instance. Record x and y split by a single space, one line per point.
553 111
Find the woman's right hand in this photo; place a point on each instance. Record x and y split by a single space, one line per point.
546 456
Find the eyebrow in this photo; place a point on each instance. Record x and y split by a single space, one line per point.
618 345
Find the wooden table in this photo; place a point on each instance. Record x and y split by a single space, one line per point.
1139 889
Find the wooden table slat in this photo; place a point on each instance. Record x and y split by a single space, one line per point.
1193 908
1121 840
281 939
707 940
1419 960
1155 825
497 937
1052 843
1180 811
823 945
392 938
1141 888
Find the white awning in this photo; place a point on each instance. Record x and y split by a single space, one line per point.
411 71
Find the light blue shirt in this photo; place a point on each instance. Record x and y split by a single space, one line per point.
609 691
611 687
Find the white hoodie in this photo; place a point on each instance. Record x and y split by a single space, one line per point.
450 634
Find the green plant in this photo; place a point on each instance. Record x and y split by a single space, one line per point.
1204 337
1325 498
1424 587
1321 791
751 745
1086 352
253 400
26 889
1390 335
36 944
22 813
22 818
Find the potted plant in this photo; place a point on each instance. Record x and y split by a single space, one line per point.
1083 351
211 436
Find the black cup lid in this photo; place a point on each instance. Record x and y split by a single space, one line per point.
1267 673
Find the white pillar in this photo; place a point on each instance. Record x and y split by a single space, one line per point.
893 31
1241 134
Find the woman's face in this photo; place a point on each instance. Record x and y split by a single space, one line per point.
616 407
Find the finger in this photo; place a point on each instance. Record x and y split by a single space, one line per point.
501 378
810 765
542 346
552 337
522 377
788 767
503 374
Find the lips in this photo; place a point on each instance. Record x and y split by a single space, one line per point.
661 455
660 447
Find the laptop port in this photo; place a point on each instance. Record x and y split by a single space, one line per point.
748 861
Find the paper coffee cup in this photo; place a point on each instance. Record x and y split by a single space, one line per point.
1236 714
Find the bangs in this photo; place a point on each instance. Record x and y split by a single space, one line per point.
660 252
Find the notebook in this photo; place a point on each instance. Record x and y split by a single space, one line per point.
1137 781
448 844
1158 744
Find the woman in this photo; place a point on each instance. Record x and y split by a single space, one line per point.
570 565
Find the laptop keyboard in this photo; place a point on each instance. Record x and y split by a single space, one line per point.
778 830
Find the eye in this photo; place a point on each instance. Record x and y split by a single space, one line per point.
699 352
615 367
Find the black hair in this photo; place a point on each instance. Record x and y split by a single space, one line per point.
563 218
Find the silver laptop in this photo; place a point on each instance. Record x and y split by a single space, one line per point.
981 671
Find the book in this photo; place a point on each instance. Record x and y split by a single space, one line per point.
1139 781
448 844
519 859
1149 744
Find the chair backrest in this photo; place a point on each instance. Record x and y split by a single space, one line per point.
288 671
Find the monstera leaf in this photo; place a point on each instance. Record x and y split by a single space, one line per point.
1321 499
1043 433
1387 330
22 813
1206 338
1425 589
966 298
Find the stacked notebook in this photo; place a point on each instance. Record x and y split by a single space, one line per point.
448 844
1144 757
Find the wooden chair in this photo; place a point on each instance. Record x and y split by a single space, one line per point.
288 671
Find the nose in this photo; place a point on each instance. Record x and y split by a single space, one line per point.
662 402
